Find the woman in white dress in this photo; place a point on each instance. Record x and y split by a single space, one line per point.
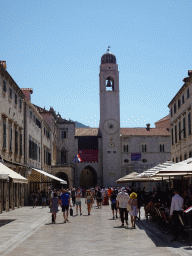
134 211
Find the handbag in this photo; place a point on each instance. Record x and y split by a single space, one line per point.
129 208
71 212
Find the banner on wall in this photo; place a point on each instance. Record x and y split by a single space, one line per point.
88 155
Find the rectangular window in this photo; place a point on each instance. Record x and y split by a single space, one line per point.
15 99
20 145
38 123
180 158
175 133
189 123
108 152
31 114
16 141
125 149
175 108
49 158
161 147
20 104
144 148
190 153
171 112
10 138
179 103
63 134
114 152
39 154
4 133
185 156
10 93
188 93
4 86
32 150
179 130
172 136
183 99
184 128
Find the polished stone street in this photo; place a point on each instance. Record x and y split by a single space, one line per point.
28 231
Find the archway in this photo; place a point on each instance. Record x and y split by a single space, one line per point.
57 184
88 177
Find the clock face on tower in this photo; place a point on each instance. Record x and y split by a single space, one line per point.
111 126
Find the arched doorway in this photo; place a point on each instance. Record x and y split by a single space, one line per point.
88 177
57 184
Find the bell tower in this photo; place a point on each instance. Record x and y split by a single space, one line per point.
110 119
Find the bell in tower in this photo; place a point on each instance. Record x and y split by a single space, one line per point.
110 84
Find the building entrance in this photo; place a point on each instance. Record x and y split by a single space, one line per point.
88 177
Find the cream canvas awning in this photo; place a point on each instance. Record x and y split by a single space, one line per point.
183 168
17 178
50 176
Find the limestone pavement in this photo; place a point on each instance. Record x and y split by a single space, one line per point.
29 231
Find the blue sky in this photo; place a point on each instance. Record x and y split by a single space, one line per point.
55 46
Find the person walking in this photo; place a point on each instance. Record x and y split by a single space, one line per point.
44 199
65 201
121 203
113 203
99 198
73 196
54 206
89 200
78 196
34 196
134 211
177 205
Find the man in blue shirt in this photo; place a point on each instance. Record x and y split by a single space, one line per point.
65 202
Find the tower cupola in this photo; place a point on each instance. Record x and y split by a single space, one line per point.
108 57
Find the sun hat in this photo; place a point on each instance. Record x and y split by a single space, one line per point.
133 195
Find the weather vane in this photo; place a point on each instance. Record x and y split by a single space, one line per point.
108 48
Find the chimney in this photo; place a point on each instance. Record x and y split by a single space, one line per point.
27 92
148 127
3 63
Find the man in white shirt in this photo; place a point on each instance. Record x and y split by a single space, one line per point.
121 203
176 210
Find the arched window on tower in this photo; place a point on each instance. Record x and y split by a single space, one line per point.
63 156
109 84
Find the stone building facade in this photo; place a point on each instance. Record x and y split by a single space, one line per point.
11 138
180 121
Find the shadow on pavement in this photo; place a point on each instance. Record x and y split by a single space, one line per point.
159 238
5 222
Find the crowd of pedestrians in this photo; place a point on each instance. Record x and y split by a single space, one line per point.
124 202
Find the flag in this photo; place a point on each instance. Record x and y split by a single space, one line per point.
77 159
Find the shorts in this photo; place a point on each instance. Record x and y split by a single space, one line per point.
65 208
43 199
89 201
113 207
99 200
78 203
